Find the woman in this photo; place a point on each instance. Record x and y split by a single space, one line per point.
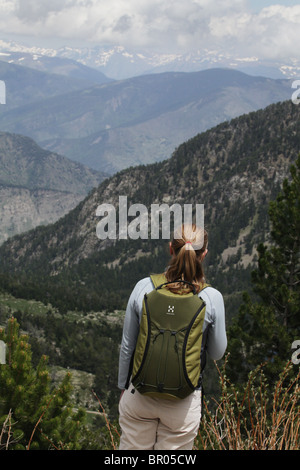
149 423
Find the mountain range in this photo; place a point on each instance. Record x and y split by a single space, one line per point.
234 169
26 85
120 63
118 124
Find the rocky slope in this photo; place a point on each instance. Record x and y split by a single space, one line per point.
37 187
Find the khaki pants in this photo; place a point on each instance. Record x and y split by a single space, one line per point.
156 424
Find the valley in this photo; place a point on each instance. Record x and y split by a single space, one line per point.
217 138
141 120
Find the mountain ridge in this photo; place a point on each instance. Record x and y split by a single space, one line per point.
24 163
120 63
234 169
25 85
140 120
55 65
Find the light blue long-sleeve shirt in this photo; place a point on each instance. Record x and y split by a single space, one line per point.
214 318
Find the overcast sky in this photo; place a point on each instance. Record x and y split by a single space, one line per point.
261 28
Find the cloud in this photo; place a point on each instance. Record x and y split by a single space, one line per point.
154 23
272 33
167 25
31 11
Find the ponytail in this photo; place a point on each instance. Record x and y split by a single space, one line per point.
186 262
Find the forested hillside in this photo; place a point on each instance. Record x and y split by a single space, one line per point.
234 169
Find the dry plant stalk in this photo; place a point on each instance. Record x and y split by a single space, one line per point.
248 421
6 434
114 445
39 420
6 430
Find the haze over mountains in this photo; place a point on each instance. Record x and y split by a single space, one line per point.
111 126
26 85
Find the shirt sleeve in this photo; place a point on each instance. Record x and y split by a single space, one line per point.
131 328
215 317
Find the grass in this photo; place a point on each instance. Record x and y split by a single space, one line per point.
252 419
13 304
255 418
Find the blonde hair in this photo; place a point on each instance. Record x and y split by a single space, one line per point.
189 243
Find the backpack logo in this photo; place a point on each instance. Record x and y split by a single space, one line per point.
171 309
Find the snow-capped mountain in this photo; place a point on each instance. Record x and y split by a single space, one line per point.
119 63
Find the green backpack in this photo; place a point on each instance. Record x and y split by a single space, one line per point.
167 358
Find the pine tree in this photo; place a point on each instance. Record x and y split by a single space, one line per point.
39 417
264 330
277 280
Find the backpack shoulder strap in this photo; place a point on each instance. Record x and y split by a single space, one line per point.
205 286
158 279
